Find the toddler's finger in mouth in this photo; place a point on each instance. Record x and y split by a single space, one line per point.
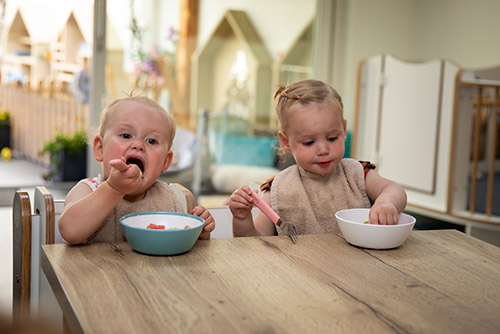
118 164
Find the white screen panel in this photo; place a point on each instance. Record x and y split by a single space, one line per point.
409 123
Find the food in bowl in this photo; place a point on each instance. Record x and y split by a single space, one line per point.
156 227
161 233
356 231
162 227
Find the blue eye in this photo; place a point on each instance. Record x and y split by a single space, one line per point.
151 141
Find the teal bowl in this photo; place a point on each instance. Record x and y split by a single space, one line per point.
179 236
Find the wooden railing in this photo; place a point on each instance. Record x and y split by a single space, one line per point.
478 114
37 115
487 108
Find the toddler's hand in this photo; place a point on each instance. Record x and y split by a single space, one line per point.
119 164
241 202
202 212
383 213
124 178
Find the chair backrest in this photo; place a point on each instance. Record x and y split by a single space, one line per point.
184 195
21 234
30 230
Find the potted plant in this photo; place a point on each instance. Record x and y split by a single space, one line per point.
4 128
68 157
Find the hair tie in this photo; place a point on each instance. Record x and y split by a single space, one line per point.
298 97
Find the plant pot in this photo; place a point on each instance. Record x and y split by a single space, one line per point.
4 136
73 167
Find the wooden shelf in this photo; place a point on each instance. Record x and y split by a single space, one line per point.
64 51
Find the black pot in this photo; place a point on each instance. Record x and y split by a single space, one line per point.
73 167
4 136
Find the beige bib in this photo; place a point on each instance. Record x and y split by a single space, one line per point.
310 201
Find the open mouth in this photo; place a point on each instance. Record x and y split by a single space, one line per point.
135 161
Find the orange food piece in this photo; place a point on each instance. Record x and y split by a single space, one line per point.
155 227
187 226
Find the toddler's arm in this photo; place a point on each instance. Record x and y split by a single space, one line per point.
389 197
202 212
85 211
240 204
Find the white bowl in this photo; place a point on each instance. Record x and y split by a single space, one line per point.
372 236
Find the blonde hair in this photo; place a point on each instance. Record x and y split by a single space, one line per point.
303 93
105 115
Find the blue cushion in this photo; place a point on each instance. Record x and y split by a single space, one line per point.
245 150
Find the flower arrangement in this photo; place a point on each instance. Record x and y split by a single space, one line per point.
4 116
155 70
156 66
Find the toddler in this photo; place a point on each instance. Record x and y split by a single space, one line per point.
134 146
312 127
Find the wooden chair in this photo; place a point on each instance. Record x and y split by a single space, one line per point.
31 230
21 234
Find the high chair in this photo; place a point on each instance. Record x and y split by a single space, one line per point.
31 230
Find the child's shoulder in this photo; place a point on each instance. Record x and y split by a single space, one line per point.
365 165
266 186
92 182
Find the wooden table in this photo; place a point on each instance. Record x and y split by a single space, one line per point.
437 282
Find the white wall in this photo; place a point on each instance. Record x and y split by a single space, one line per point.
462 31
370 28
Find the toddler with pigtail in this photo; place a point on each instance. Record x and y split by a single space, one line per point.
309 193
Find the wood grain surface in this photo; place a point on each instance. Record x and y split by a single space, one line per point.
437 282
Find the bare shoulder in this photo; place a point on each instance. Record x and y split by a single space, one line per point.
76 193
373 176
